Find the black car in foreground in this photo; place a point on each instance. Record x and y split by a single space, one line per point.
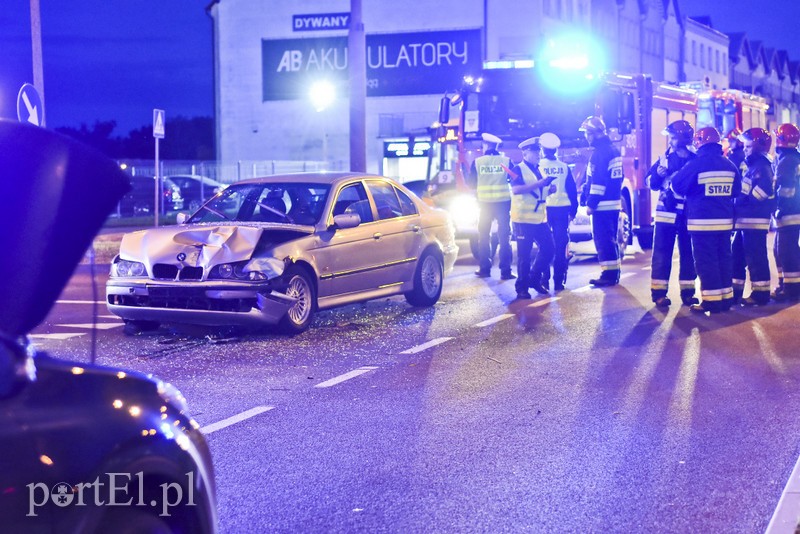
83 448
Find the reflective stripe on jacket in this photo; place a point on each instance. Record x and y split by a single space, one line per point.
492 180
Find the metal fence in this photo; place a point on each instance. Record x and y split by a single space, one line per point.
228 172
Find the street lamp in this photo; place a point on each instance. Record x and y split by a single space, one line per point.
322 94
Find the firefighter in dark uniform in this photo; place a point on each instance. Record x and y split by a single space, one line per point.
736 150
670 220
754 207
710 182
562 206
529 219
604 183
490 171
787 250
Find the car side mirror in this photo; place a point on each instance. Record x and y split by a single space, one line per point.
182 218
346 220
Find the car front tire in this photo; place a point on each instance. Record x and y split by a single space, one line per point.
428 280
299 316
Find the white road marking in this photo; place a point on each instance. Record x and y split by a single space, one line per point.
347 376
542 302
785 519
494 320
582 289
56 336
99 326
80 302
108 317
626 275
648 268
429 344
219 425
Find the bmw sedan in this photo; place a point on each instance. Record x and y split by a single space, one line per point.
273 251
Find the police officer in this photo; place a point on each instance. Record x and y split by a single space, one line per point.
787 251
562 206
494 198
604 182
670 220
736 149
709 183
754 206
529 219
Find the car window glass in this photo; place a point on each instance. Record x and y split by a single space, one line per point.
286 203
386 201
406 204
353 199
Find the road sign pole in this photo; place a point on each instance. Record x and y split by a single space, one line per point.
156 208
158 134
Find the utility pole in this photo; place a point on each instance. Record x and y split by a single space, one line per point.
38 70
357 61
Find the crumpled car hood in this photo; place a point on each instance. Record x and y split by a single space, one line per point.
198 245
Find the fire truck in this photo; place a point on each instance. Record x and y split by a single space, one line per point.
514 101
729 109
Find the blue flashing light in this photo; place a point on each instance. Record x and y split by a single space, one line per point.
571 63
509 64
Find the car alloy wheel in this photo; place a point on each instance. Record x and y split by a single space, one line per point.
299 289
427 281
431 276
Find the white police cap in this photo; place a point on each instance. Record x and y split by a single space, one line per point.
489 138
531 143
549 140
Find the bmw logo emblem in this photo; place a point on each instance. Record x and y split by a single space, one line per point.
181 256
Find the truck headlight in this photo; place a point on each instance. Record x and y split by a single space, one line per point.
464 211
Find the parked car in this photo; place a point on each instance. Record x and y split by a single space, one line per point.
141 197
195 189
274 250
74 436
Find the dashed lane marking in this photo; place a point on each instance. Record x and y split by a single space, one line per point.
626 275
219 425
494 320
542 302
582 289
429 344
648 268
56 336
784 520
80 302
89 326
347 376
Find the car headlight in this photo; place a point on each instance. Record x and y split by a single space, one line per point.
241 270
125 268
464 210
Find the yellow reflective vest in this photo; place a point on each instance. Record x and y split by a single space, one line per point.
492 180
559 171
528 207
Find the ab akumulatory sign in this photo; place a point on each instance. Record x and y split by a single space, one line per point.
397 64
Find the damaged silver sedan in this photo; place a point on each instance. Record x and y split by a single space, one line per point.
272 251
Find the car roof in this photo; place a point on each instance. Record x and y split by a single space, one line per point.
310 177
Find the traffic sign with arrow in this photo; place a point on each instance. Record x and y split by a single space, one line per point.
29 105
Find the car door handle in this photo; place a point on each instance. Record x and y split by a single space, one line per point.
416 228
376 236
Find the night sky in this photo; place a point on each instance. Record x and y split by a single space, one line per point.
118 59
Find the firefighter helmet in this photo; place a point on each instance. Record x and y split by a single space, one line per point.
682 130
705 136
759 137
787 136
593 124
733 135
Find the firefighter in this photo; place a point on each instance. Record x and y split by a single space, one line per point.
710 182
754 206
736 150
787 251
604 183
670 220
490 171
562 206
529 219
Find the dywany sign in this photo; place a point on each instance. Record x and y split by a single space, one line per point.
320 22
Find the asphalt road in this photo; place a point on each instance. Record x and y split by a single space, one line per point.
584 411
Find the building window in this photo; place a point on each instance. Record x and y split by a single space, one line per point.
694 52
725 63
546 7
716 63
702 55
710 64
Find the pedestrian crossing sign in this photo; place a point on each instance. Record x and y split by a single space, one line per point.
158 123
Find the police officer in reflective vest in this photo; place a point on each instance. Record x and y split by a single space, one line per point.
562 205
670 219
787 251
529 219
754 207
709 183
736 150
604 180
494 198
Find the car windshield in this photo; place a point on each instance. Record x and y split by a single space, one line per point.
287 203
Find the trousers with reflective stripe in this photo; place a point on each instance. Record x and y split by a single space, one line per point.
604 232
712 258
663 249
750 256
787 257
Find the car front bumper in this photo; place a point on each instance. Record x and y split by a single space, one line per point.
200 303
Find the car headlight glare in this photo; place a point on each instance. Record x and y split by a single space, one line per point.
465 210
127 268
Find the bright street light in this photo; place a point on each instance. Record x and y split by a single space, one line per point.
322 94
